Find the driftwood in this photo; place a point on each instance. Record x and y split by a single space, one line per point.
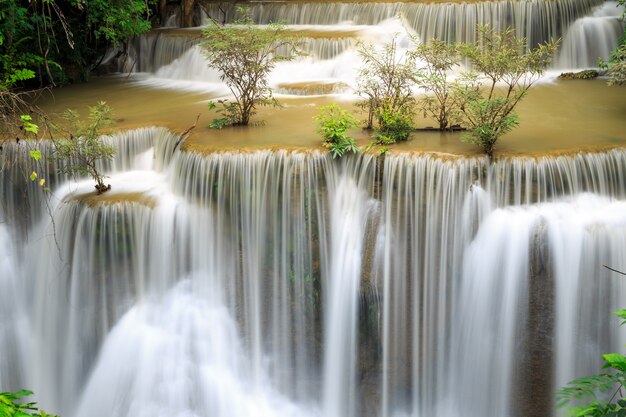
186 133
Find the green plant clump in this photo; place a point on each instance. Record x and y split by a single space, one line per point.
11 405
394 126
601 394
333 123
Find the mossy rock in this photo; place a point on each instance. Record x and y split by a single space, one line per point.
581 75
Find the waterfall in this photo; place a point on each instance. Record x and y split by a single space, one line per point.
330 32
295 285
592 37
159 48
536 20
348 220
530 268
13 321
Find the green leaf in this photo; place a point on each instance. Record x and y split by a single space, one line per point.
622 315
35 154
33 176
28 125
615 361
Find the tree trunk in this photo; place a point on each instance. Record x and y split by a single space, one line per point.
163 11
187 13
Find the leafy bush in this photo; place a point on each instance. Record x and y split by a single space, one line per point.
228 111
394 126
333 123
11 405
601 394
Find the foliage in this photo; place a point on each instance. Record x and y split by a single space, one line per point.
601 394
85 148
228 111
498 58
12 406
385 81
245 54
333 123
439 58
116 21
49 42
395 126
17 58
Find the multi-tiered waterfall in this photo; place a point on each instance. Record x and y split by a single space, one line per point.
286 283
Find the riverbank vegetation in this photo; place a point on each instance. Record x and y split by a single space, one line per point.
48 43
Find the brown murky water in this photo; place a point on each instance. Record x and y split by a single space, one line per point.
562 117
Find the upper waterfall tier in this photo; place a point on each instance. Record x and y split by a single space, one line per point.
331 31
537 20
592 37
160 48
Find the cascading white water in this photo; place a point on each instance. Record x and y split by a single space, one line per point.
348 219
534 19
289 284
12 315
590 29
226 283
544 261
592 38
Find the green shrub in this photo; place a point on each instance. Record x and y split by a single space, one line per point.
333 122
394 126
601 394
11 405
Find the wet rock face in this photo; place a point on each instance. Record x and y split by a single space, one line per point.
533 396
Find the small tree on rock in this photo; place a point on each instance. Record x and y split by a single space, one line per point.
503 70
81 152
245 54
